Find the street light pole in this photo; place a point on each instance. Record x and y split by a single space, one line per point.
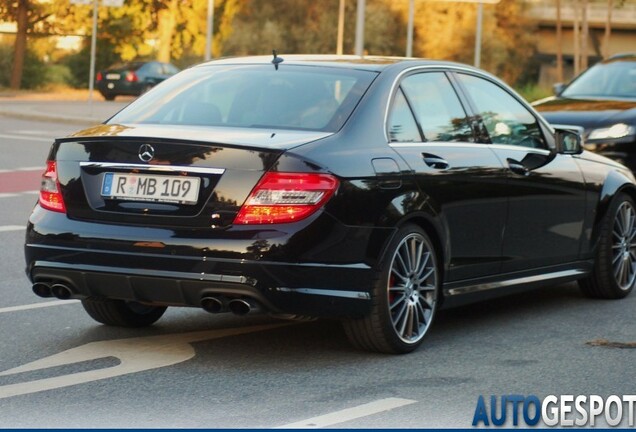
209 30
409 31
341 18
359 47
91 76
480 19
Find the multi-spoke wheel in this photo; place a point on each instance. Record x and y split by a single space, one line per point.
404 298
615 266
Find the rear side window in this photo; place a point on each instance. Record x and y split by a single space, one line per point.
253 96
402 125
505 118
437 108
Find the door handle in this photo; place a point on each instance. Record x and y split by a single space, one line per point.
435 161
517 167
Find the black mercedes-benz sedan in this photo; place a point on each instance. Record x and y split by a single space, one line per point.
370 190
602 100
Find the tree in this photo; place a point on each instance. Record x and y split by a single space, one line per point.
446 31
32 16
294 26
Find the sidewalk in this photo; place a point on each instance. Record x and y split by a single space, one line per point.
74 112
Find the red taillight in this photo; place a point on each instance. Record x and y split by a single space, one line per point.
131 77
99 76
286 197
50 195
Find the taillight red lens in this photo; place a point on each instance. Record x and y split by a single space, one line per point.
99 76
131 77
50 194
286 197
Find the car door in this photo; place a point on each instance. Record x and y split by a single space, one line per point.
546 190
463 180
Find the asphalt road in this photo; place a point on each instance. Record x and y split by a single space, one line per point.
196 370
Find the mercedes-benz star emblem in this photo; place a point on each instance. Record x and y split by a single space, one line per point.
146 152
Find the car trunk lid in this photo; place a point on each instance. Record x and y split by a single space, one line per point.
166 176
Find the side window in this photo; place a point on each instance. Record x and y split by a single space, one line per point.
402 126
505 118
437 108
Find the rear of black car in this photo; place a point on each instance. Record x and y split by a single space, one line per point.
192 196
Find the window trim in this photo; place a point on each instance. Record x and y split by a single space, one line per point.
397 87
547 132
546 128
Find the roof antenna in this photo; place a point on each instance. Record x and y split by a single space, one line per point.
277 60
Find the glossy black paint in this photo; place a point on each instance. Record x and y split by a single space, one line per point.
495 227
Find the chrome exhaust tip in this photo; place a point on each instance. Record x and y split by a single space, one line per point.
61 291
212 304
42 289
240 306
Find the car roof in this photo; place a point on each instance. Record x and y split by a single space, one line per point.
372 63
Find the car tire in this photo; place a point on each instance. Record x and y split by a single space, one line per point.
406 290
120 313
614 271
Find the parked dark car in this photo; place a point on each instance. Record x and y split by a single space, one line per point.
372 190
133 78
602 100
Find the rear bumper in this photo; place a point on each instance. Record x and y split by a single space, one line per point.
94 266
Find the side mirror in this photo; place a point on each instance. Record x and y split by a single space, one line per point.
558 88
568 139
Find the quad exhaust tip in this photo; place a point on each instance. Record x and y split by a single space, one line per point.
212 304
240 306
61 291
42 289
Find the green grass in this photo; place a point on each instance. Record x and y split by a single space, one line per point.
533 92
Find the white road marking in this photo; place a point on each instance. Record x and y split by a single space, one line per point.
40 168
37 305
6 228
349 414
13 195
135 354
26 138
40 133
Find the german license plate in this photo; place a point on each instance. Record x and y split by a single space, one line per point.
113 76
145 187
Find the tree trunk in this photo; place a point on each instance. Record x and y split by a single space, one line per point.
608 30
577 38
585 32
167 23
559 43
19 48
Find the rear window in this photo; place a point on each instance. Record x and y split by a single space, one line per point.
127 66
253 96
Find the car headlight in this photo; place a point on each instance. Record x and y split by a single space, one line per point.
618 130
